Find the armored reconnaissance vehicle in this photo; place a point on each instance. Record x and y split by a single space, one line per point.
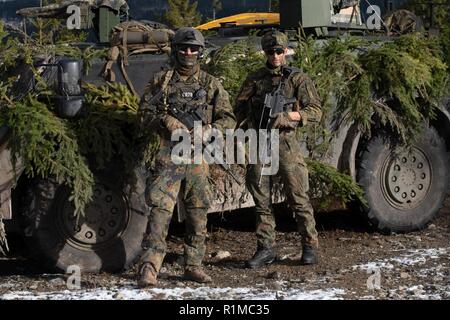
404 189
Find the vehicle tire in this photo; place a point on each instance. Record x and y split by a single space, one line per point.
404 190
109 236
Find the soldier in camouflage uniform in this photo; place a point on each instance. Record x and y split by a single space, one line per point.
292 167
182 85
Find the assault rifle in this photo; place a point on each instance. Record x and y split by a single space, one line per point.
188 117
188 114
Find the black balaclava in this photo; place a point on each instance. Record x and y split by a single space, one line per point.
186 65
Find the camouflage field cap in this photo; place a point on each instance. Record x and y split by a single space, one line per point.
274 38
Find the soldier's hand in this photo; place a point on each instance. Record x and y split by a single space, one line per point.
284 121
172 123
206 129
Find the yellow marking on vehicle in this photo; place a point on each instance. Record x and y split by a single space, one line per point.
242 19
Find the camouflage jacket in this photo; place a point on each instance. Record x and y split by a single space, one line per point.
250 100
177 90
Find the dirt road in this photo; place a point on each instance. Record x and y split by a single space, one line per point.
355 263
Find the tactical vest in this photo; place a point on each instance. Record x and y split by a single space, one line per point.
188 95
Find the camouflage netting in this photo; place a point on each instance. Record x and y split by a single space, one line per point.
224 187
402 22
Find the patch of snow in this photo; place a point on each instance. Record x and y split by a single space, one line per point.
418 292
408 258
8 285
373 265
130 293
419 256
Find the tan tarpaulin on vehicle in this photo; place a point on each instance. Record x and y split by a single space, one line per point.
133 37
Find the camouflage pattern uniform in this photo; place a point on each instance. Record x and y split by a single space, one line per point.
292 167
170 181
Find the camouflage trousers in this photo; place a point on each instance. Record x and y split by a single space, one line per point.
294 175
169 183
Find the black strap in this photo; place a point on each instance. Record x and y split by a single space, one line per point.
287 72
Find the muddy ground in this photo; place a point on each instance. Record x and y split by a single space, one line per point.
355 263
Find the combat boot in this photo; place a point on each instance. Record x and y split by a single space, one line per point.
309 255
262 257
147 275
196 274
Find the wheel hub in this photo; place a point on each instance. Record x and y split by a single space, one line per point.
406 178
105 218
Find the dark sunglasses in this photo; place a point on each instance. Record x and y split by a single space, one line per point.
278 51
184 47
